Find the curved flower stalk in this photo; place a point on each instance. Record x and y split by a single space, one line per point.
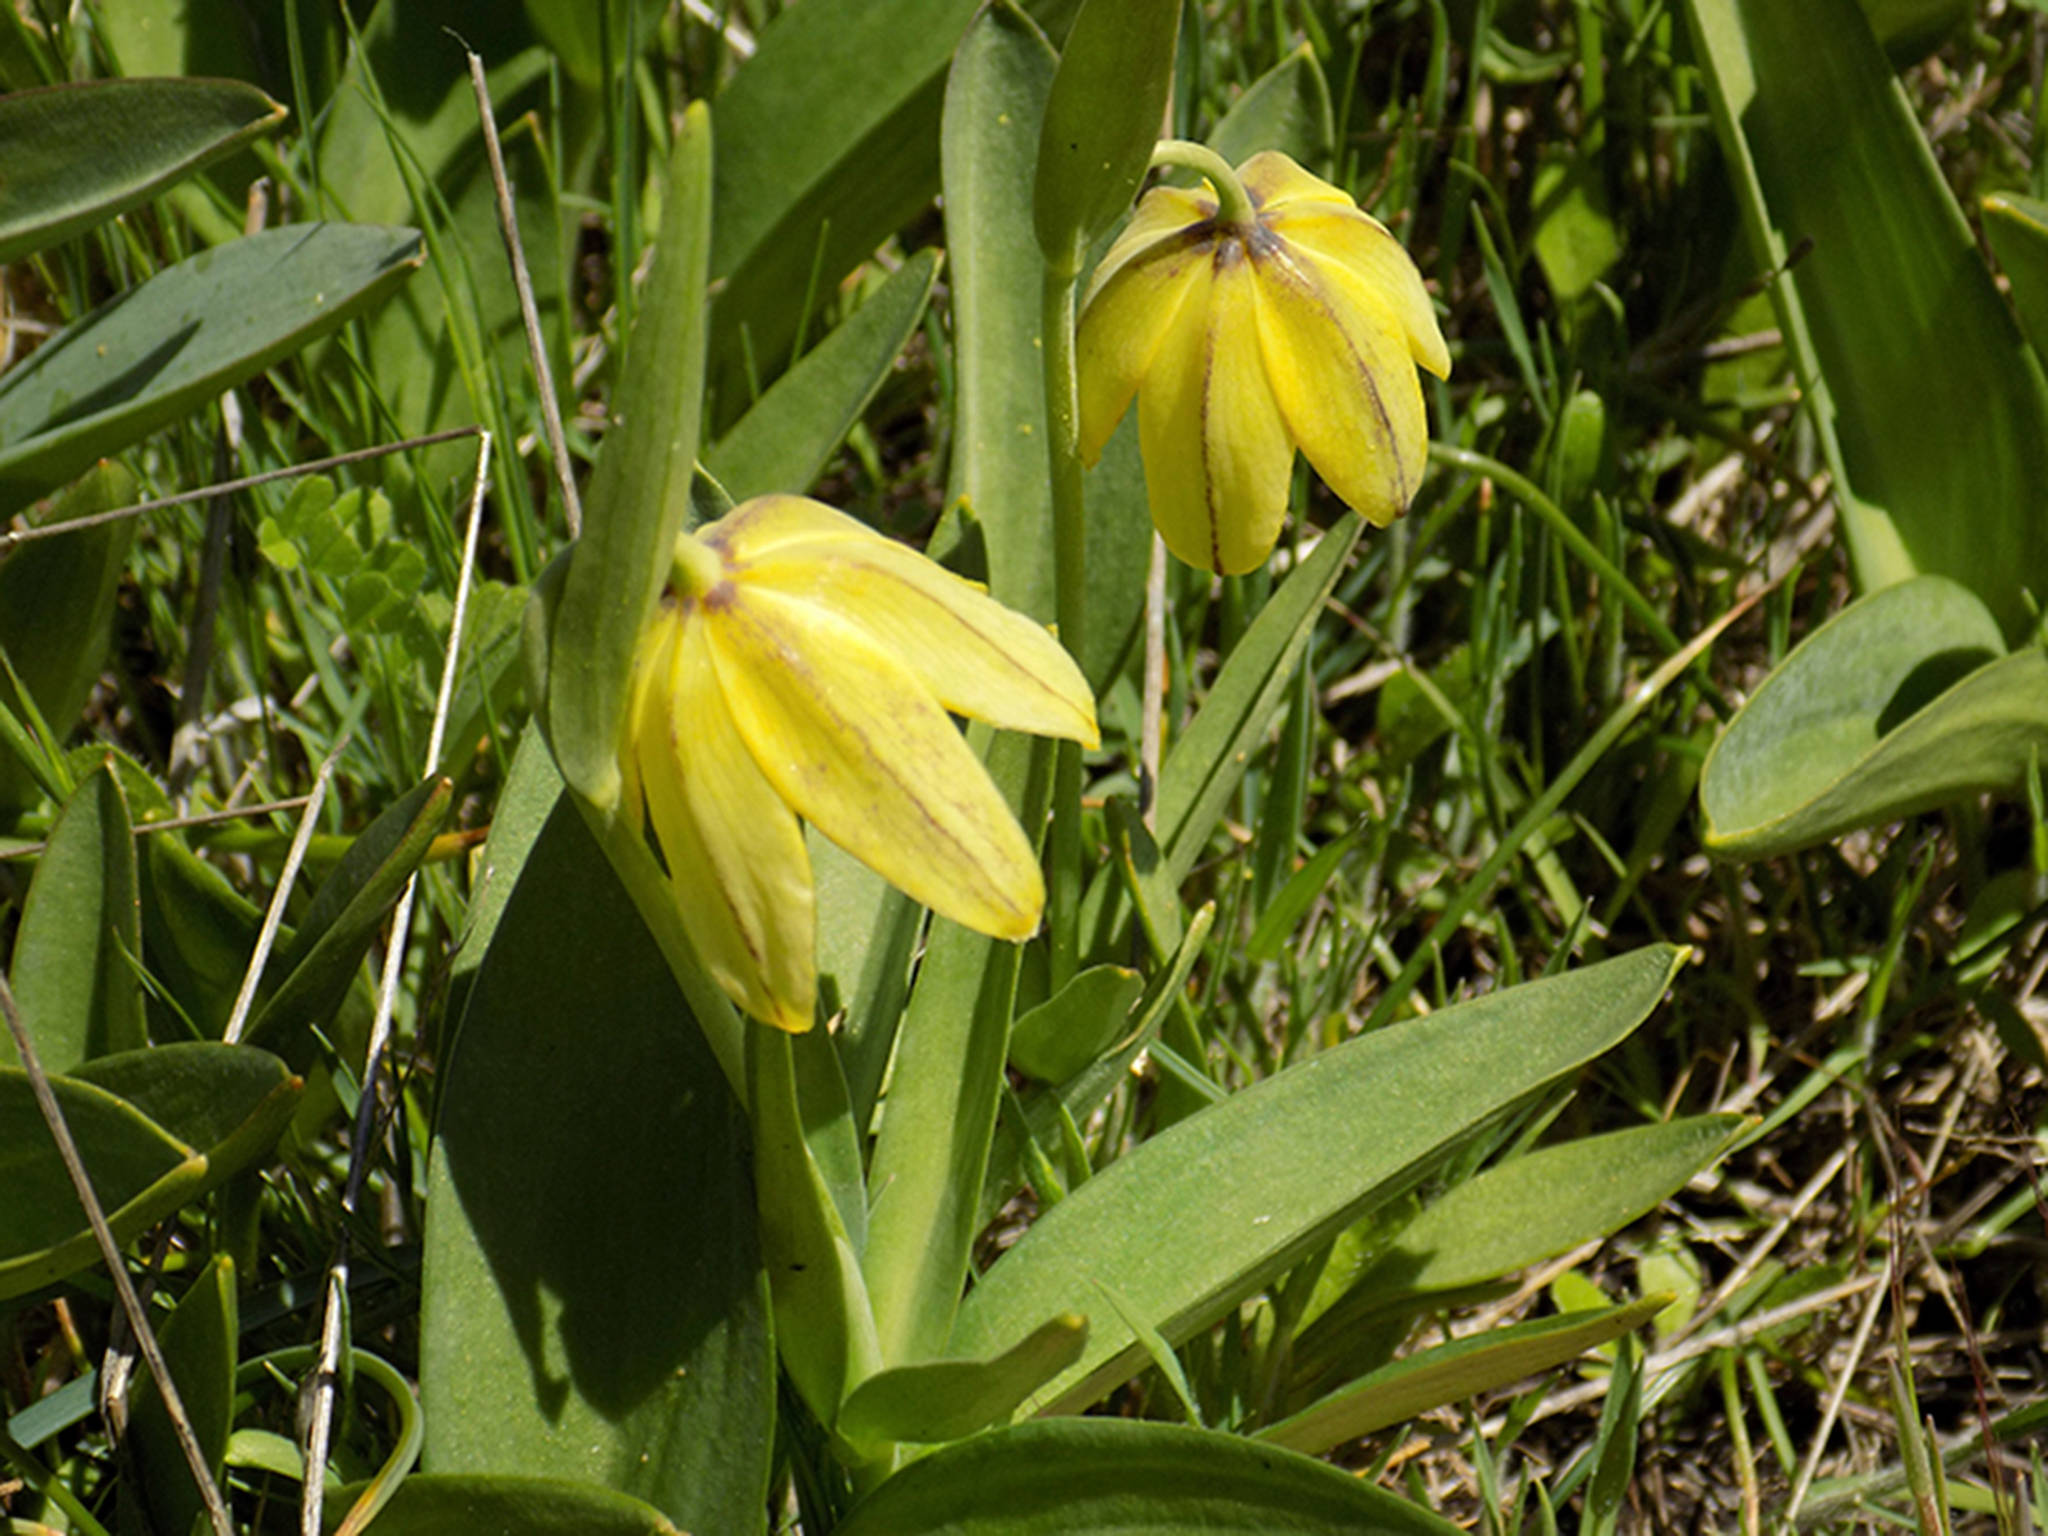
1272 317
802 665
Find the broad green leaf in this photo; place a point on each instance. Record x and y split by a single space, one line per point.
198 932
165 348
1203 1214
343 920
1520 1213
1288 109
75 958
944 1400
142 1170
1575 238
593 1303
1074 1026
1910 30
1900 703
198 1341
995 97
230 1100
1451 1373
1939 407
1127 1477
57 612
794 429
467 1504
1102 118
77 154
2017 228
637 503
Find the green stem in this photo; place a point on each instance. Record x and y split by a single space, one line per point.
1070 581
1233 203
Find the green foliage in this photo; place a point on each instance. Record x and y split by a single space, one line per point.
1356 1081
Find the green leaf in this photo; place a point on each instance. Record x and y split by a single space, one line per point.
1517 1214
1900 703
1288 109
1939 408
1074 1026
198 1342
1452 1373
795 428
75 957
163 349
995 97
77 154
2017 228
198 932
57 600
945 1400
1101 120
1126 1477
230 1099
593 1302
465 1504
641 493
142 1171
1575 239
1202 1215
343 920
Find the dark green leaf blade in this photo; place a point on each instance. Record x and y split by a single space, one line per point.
158 351
198 1341
79 153
1203 1214
1450 1373
1900 703
466 1504
944 1400
1126 1477
75 958
594 1305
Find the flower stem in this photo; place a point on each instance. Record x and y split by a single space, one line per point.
1070 583
1233 203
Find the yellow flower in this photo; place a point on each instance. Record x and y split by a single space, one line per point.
1297 327
801 665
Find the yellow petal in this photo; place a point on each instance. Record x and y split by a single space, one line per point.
1217 454
1361 245
856 745
736 856
763 524
1122 327
976 656
1342 372
1275 182
1163 215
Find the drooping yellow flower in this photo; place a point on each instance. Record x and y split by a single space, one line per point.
1298 326
802 665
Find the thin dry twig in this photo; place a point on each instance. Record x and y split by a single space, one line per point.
286 877
537 354
15 536
110 1254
